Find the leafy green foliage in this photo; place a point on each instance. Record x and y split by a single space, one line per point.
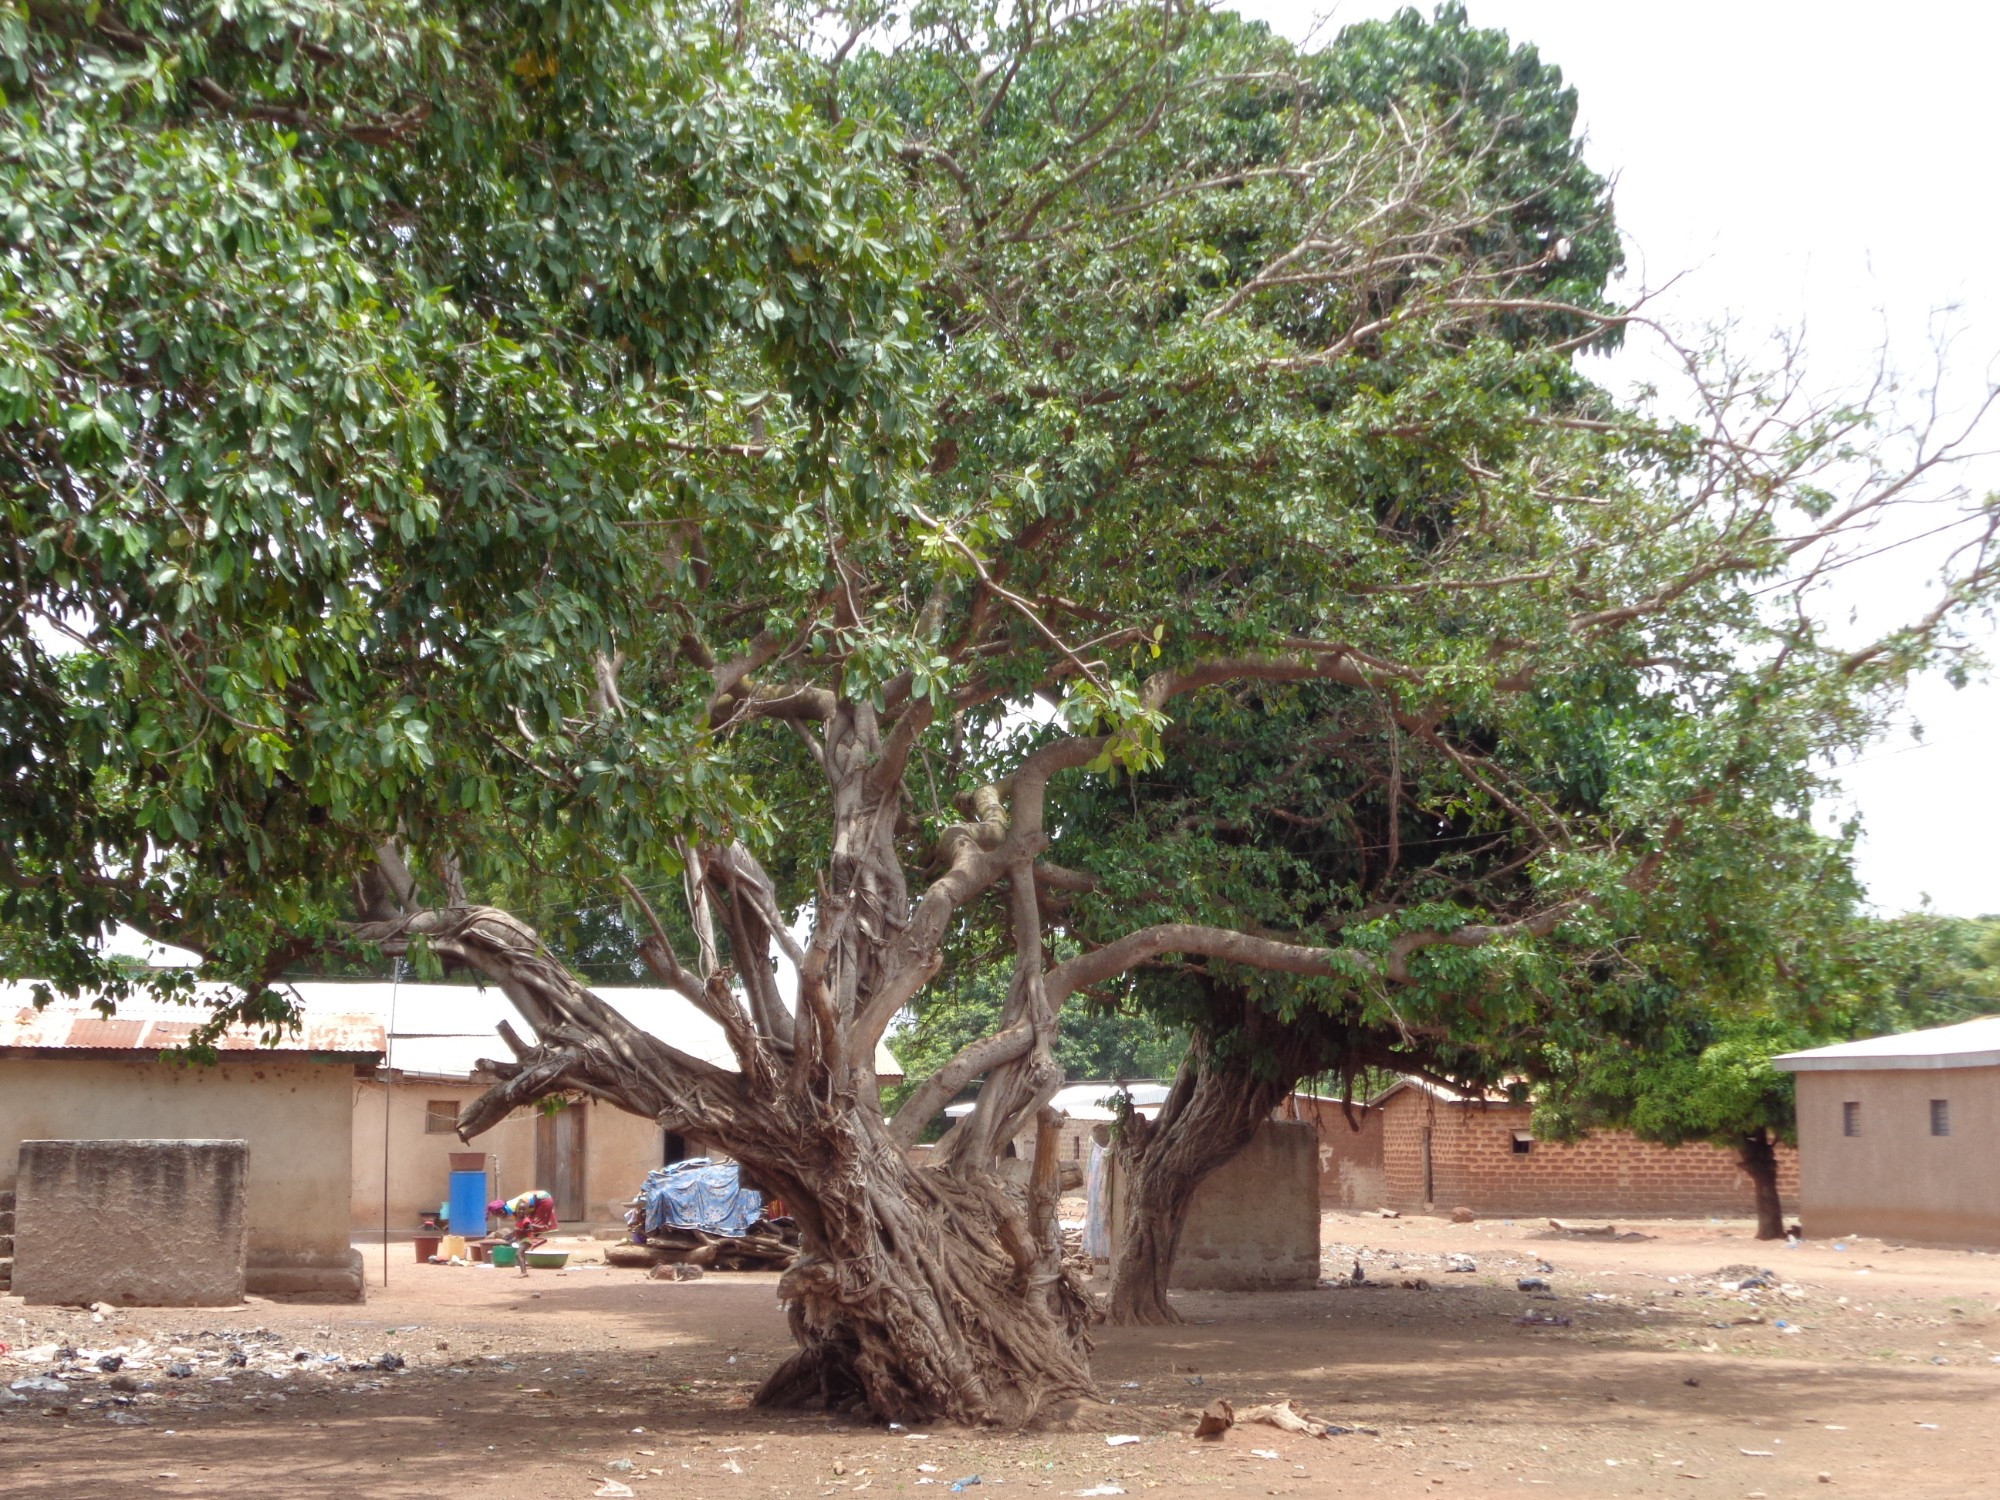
343 346
1702 1067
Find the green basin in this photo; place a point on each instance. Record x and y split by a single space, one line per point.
548 1260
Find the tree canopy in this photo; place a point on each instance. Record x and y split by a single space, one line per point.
459 452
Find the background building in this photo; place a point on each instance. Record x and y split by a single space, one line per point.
1896 1134
67 1073
1419 1145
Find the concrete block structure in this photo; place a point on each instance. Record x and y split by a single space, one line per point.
153 1223
1254 1223
1424 1146
67 1073
1896 1135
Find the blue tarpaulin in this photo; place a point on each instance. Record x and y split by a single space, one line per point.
701 1194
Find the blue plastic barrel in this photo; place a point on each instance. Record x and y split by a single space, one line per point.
468 1204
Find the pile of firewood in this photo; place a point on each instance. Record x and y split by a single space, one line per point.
1074 1256
767 1245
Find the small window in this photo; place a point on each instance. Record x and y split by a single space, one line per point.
441 1117
1850 1118
1524 1142
1940 1117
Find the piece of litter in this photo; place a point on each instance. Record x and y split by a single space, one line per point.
1263 1452
1121 1440
964 1484
611 1489
1931 1426
1102 1489
1756 1452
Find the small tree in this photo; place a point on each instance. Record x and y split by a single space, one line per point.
1715 1084
1794 974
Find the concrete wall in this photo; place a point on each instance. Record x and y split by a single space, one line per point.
619 1150
295 1115
1351 1171
137 1223
1254 1224
1895 1179
1474 1165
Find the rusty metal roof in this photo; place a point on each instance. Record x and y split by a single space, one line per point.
154 1026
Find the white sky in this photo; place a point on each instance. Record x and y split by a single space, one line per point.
1821 166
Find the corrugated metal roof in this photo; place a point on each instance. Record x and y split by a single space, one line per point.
1086 1101
1969 1044
444 1029
439 1029
146 1025
1438 1092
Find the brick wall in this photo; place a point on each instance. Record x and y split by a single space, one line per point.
1473 1164
1350 1160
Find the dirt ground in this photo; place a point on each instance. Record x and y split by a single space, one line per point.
1864 1367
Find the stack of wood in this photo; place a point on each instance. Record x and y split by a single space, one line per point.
767 1245
1074 1255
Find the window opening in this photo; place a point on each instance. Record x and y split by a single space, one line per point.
1850 1118
440 1117
1940 1117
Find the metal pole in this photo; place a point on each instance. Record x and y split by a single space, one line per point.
388 1086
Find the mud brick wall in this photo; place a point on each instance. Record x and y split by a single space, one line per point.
1473 1164
150 1223
1351 1171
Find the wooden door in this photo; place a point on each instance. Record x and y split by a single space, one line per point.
559 1159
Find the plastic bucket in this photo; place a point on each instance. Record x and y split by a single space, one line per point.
503 1255
467 1161
427 1246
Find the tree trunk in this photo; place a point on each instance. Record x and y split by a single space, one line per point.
1213 1112
921 1293
923 1296
1759 1156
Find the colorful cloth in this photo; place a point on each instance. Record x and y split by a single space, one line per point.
532 1212
701 1194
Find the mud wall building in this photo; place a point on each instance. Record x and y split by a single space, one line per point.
592 1157
1897 1134
1423 1146
66 1073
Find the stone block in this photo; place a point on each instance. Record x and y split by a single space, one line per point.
152 1223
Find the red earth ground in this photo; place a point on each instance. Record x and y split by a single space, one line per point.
1866 1372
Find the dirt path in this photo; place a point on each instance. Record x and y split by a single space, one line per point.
552 1385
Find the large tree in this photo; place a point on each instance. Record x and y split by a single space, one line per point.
666 452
